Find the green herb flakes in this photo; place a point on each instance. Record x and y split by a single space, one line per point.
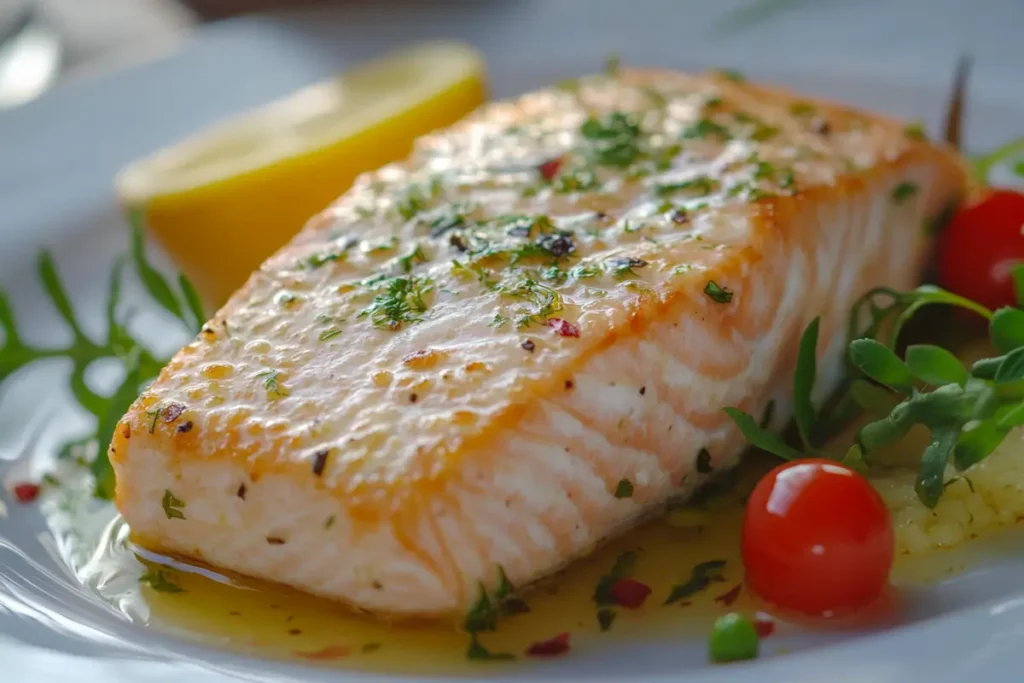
315 260
272 384
701 186
614 140
623 267
158 580
576 181
731 74
802 109
705 128
701 577
478 652
407 262
172 506
483 615
903 192
624 489
584 272
916 131
717 293
403 301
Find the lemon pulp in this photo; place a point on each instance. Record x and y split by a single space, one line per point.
222 201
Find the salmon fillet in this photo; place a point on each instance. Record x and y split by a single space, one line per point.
518 342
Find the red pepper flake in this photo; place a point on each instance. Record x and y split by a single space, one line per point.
629 593
328 653
26 493
764 626
563 328
729 597
558 645
549 169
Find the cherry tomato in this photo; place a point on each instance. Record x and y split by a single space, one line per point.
817 539
980 247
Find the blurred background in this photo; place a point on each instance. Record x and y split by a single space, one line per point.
43 42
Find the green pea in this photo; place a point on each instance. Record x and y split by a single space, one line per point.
733 637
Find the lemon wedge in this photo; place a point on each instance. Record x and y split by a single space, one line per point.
223 200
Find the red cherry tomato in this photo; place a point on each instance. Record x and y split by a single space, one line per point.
817 539
980 247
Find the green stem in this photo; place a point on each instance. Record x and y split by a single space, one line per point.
984 164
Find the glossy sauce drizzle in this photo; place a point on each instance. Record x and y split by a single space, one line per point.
205 605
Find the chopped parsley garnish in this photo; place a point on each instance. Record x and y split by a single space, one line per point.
508 601
584 272
477 651
624 489
701 577
314 261
543 300
700 186
407 262
449 218
158 580
705 128
416 200
903 192
802 109
154 415
577 181
717 293
763 170
731 74
915 131
483 616
330 333
623 568
475 270
622 267
524 226
554 274
272 384
172 506
613 140
605 618
402 302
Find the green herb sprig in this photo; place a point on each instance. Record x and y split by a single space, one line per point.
969 411
140 363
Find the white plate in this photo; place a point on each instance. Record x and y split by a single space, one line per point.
57 157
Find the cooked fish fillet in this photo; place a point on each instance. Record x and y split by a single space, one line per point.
458 366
